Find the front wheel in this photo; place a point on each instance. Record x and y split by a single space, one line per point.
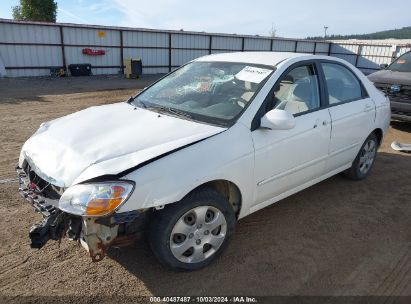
365 159
190 234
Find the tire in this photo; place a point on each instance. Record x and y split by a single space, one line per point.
365 159
202 223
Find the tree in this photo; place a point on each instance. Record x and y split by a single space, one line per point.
403 33
36 10
273 31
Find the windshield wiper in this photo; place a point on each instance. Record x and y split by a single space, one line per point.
180 113
172 111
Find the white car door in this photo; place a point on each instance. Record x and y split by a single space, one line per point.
352 114
287 159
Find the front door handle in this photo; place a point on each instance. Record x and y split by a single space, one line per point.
317 122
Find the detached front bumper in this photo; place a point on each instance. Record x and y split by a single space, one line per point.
96 234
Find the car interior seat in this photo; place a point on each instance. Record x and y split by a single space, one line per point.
300 99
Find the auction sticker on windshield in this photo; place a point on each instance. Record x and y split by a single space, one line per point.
253 74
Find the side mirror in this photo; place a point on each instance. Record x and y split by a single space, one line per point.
278 120
383 66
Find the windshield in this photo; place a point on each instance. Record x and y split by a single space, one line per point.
402 64
211 92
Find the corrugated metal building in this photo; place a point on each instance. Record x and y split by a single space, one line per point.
32 48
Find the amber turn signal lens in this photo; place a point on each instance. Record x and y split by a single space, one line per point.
99 206
97 199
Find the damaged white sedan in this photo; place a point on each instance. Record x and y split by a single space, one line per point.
210 143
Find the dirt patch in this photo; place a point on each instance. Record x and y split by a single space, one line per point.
336 238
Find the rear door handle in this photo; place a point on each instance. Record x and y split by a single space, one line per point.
367 107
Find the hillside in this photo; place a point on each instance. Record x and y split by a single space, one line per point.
403 33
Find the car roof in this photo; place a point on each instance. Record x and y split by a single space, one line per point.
264 58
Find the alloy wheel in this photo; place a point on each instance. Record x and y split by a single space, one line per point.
367 156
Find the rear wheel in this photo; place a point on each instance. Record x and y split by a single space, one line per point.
364 161
190 234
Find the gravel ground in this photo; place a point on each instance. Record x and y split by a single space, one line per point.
336 238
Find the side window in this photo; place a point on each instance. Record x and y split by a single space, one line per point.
297 92
342 85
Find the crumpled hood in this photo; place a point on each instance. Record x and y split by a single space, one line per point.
391 77
106 140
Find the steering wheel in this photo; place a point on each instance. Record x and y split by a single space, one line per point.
174 99
232 100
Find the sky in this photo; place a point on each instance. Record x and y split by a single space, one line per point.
292 18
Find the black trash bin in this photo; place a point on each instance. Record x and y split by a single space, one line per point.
83 69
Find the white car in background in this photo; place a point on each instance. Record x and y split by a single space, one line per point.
210 143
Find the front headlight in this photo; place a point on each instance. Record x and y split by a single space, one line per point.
96 199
